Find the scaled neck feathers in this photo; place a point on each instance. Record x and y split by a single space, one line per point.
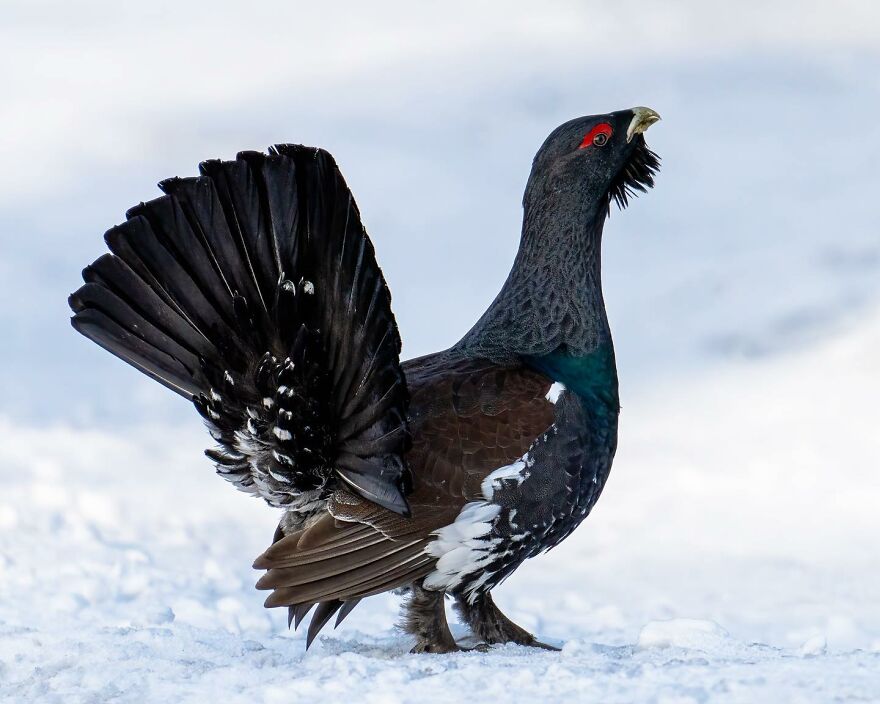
552 298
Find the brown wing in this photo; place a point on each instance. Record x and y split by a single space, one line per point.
467 418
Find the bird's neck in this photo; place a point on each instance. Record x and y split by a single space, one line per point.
551 303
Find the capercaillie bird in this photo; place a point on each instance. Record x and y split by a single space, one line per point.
253 291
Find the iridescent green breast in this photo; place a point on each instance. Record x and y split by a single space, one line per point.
593 376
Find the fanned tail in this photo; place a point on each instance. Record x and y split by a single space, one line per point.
254 291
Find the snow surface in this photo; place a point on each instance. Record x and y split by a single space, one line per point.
733 558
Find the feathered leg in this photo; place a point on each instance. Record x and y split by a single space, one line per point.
424 617
491 626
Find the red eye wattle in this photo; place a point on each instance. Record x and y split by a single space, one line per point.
597 137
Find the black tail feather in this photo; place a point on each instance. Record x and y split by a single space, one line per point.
253 290
120 342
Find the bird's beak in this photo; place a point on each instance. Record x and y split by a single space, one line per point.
643 118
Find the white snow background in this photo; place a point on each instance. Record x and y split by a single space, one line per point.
734 554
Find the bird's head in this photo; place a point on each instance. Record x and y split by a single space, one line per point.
590 161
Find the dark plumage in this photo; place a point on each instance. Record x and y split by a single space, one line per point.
253 290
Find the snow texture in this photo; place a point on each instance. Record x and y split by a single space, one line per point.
719 566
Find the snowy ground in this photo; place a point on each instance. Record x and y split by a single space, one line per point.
733 558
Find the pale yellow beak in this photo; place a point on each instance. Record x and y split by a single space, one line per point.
643 118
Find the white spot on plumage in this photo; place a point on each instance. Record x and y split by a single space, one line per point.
555 391
518 471
277 477
308 287
281 433
282 459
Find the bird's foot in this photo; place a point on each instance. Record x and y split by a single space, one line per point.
527 639
438 648
478 648
449 647
493 627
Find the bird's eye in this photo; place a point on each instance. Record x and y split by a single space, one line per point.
598 136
